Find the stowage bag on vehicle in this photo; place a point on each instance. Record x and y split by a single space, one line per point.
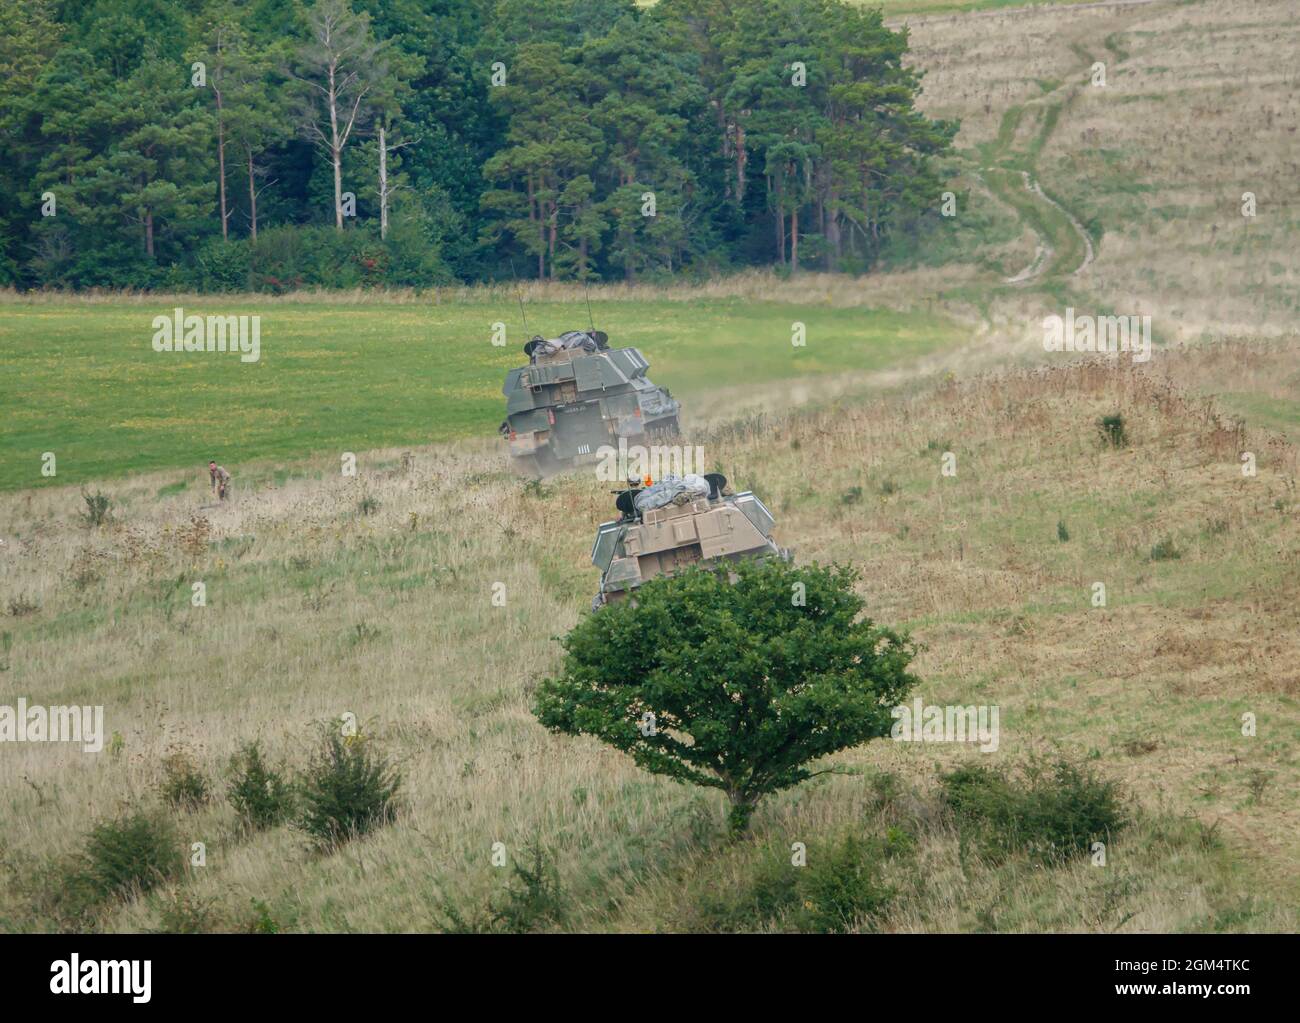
669 489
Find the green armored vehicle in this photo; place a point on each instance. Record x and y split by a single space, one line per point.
577 395
675 523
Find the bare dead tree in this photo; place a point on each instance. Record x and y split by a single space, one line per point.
339 66
387 187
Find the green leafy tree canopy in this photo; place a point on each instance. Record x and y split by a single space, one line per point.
736 680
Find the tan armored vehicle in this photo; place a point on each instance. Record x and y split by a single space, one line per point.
677 522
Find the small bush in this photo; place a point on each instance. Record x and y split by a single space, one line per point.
21 606
532 899
184 785
363 632
261 921
841 886
1062 533
1113 431
768 893
349 789
260 794
183 912
1049 813
1257 781
840 889
130 854
368 505
97 509
851 496
888 487
1166 550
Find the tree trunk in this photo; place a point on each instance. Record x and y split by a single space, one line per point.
833 241
217 79
252 197
794 240
742 157
780 226
383 184
552 219
221 169
724 131
336 153
148 234
742 810
535 214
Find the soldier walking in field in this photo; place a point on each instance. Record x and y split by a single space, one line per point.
220 480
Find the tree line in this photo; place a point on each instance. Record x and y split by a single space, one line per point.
275 144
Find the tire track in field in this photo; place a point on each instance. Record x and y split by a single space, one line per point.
1064 247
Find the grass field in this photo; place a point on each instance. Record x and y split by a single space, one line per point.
316 609
83 381
1199 106
371 596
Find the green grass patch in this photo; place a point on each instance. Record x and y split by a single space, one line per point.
85 383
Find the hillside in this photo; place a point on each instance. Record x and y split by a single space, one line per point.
372 596
315 609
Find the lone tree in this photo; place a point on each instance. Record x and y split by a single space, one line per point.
734 685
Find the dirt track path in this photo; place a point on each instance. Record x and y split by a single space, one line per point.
1064 245
1009 163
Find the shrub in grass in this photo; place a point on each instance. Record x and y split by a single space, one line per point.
21 605
839 889
97 507
1113 431
181 911
532 899
259 793
766 892
1166 550
130 854
1062 533
363 632
349 790
1050 812
184 785
261 921
368 505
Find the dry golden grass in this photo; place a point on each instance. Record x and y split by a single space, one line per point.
972 564
1200 105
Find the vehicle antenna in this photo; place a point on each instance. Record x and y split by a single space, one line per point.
586 291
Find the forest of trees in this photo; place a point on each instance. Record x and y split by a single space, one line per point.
277 144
